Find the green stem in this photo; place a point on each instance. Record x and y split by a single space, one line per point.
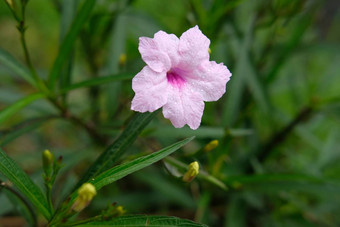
12 11
48 187
92 132
76 223
22 28
201 175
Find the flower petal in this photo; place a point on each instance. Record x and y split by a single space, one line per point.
184 107
193 47
168 43
209 79
160 52
150 89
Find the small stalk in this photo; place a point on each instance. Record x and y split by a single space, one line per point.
22 28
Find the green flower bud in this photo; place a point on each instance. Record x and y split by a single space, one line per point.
192 172
85 195
47 158
210 146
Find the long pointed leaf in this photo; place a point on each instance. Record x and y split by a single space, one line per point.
66 46
97 81
23 183
113 152
10 62
18 105
125 169
144 220
238 82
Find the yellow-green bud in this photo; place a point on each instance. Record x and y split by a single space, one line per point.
10 3
47 158
192 172
210 146
209 50
122 60
119 211
113 211
85 195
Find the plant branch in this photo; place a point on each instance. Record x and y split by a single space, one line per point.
265 151
22 29
88 127
279 137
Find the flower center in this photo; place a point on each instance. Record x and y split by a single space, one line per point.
175 79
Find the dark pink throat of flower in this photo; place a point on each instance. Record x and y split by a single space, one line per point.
175 79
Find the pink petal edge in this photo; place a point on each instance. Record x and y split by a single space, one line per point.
150 89
184 107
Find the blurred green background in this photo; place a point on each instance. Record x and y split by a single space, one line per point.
277 125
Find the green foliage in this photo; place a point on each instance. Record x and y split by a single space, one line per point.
122 170
15 107
107 177
66 68
69 40
10 62
115 150
24 184
144 220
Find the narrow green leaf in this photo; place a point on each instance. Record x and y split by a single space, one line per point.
22 128
23 207
10 62
238 80
201 132
24 184
66 46
18 105
115 150
125 169
121 171
117 43
144 220
256 87
68 12
97 81
236 212
289 47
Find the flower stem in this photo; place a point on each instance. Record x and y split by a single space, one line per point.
48 187
22 28
76 223
201 175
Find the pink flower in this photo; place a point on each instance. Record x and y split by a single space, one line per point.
178 77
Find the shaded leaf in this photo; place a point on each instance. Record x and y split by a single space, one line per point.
115 150
9 61
97 81
18 105
125 169
144 220
68 42
24 184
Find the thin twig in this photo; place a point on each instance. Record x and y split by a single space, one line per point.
279 137
22 29
263 152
